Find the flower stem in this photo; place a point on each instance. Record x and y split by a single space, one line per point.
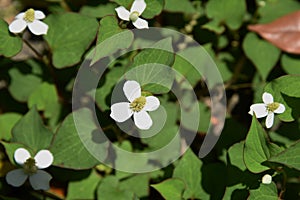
40 56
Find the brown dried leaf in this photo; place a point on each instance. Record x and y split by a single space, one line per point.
283 32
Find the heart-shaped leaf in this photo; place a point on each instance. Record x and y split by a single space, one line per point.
69 37
283 32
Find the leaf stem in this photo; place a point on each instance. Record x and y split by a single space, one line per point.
283 188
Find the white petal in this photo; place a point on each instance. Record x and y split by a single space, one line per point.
39 14
120 112
142 120
280 109
122 13
259 109
43 159
17 26
132 90
270 120
267 179
20 15
38 28
21 155
138 6
267 98
152 103
140 23
40 180
16 177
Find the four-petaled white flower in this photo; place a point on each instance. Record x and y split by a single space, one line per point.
266 179
137 106
39 179
268 108
30 18
136 10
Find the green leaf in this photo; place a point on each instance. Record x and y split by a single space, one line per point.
239 179
31 131
85 188
289 157
109 188
264 192
214 26
153 8
263 54
69 37
111 78
257 149
46 99
138 184
183 6
98 11
109 26
282 8
188 170
22 85
170 189
67 147
152 67
110 39
10 44
284 89
125 3
291 63
235 155
164 119
229 11
187 70
7 122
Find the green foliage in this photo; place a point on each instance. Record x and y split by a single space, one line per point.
68 148
84 189
10 45
263 54
41 105
75 32
288 157
183 6
268 192
29 83
31 132
7 122
154 7
191 177
170 188
230 12
284 90
257 149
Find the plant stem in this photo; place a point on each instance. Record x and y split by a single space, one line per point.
40 56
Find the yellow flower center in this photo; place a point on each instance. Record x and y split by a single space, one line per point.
138 104
29 15
30 167
272 106
134 16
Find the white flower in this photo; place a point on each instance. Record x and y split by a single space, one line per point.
39 179
30 18
136 10
137 106
266 179
268 108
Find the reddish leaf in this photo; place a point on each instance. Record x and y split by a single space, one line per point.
283 32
